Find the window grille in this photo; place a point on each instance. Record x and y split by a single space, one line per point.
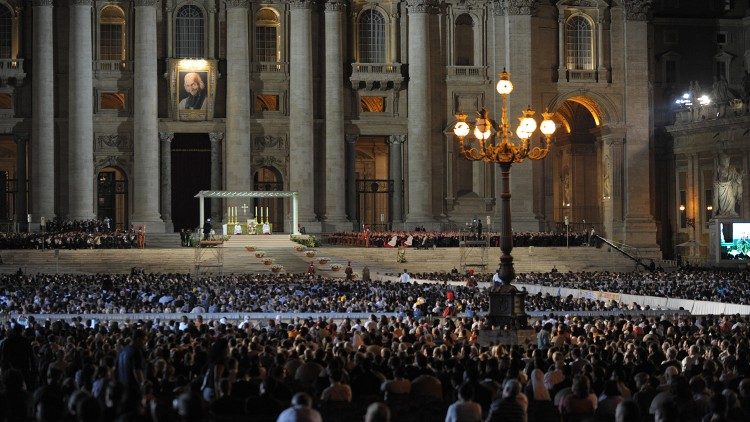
265 43
579 48
110 42
371 37
189 32
6 33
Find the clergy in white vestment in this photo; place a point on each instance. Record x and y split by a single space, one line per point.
391 243
266 228
237 229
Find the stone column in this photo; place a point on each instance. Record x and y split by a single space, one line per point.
611 146
640 229
166 179
419 148
520 65
146 121
301 175
216 210
335 205
396 173
237 145
80 112
21 182
42 115
351 176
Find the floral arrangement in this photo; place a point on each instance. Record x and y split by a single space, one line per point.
309 254
250 248
267 261
299 248
401 256
335 267
260 254
277 268
323 261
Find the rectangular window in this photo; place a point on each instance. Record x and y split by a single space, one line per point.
112 101
265 44
721 38
264 102
369 104
110 42
670 72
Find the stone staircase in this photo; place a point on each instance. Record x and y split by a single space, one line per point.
282 251
466 208
163 240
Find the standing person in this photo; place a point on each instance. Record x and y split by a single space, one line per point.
349 271
207 229
131 366
141 237
479 228
366 273
311 268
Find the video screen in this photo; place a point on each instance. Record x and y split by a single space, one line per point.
734 241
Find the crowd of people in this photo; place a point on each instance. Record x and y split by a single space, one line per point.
451 239
73 234
381 369
274 293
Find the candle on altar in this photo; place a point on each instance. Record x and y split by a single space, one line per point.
267 215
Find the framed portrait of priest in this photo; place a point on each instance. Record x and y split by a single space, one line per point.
193 84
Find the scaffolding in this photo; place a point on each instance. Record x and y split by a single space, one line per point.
473 251
209 257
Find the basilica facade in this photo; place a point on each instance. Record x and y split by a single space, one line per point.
127 109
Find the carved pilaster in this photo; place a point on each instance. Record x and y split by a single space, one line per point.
166 136
81 2
145 3
42 3
520 7
397 139
300 4
637 10
237 3
334 5
216 136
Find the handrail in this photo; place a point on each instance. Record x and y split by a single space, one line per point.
637 261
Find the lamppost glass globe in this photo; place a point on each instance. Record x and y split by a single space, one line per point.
547 127
461 129
522 133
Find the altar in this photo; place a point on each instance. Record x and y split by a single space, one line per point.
249 228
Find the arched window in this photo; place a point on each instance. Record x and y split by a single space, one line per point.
189 32
6 33
579 46
112 34
463 42
371 37
266 36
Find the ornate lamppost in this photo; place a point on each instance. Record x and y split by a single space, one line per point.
495 145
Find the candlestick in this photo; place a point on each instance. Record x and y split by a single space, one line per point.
266 214
256 214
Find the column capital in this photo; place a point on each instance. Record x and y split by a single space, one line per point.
396 139
81 2
20 137
166 136
233 4
42 3
637 10
514 7
300 4
145 3
334 5
420 6
351 138
216 136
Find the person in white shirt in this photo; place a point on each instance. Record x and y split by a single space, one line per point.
405 277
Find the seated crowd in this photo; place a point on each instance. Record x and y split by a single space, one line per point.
72 234
387 368
179 293
451 239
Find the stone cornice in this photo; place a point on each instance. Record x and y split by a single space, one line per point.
145 3
232 4
42 2
80 2
637 10
300 4
419 6
334 5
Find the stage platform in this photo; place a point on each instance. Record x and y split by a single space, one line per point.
281 250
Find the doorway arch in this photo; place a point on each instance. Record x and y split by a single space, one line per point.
112 196
267 179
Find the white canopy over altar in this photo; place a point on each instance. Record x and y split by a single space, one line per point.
249 194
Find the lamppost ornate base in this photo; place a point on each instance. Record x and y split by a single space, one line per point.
507 308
